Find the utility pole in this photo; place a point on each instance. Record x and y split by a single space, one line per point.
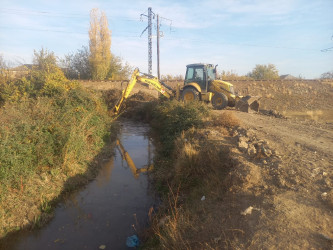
150 15
158 48
150 50
159 35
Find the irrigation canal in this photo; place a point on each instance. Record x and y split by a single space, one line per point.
109 209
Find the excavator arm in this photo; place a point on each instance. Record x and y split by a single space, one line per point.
143 78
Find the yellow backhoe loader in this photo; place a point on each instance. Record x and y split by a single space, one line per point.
200 84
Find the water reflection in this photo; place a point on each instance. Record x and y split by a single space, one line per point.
105 172
130 163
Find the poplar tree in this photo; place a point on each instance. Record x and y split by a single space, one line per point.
99 45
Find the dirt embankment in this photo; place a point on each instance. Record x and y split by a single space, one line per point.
290 177
266 184
295 99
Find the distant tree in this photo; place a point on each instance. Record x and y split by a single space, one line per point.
77 64
119 70
99 45
231 75
4 72
46 75
327 75
172 77
2 62
45 60
264 72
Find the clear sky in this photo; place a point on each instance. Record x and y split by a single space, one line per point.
235 34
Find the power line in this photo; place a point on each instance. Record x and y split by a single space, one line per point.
57 14
48 30
43 13
128 35
238 44
115 34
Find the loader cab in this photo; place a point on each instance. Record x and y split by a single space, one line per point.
201 74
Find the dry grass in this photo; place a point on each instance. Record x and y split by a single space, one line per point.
225 119
200 168
170 229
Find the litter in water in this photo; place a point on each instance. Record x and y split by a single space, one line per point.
132 241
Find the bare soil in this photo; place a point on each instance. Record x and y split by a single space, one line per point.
291 187
296 186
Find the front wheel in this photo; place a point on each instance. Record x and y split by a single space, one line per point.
219 101
190 94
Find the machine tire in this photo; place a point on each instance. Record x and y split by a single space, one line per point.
190 94
219 101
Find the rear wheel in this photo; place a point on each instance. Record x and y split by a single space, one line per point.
219 101
190 94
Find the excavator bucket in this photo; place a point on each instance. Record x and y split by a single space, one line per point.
248 104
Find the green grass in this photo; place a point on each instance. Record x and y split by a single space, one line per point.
171 118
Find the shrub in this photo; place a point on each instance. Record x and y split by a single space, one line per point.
47 120
170 118
52 132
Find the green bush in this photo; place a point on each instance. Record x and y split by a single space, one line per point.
47 122
170 118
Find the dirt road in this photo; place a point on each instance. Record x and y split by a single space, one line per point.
297 202
313 136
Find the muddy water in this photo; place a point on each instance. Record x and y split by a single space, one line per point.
108 210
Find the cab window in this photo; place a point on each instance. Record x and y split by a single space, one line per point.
198 74
189 74
211 74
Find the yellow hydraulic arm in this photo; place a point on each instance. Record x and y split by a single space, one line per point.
139 77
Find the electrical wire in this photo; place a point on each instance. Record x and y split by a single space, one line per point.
74 15
55 14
